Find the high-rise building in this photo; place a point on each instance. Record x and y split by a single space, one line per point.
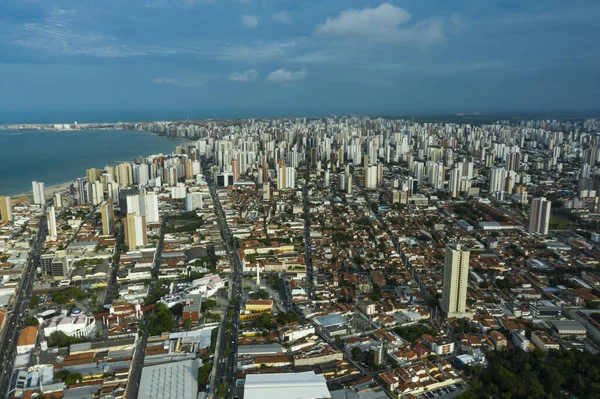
81 192
39 193
58 201
235 167
144 205
193 201
95 192
513 161
371 177
93 174
456 278
286 176
51 220
6 209
124 174
497 179
107 212
135 231
454 183
539 217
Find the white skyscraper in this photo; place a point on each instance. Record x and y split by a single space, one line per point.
497 179
144 205
95 192
150 205
39 194
456 278
51 219
371 177
193 201
454 183
539 217
286 176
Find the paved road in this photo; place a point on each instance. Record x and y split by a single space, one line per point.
227 340
307 237
20 305
112 283
135 372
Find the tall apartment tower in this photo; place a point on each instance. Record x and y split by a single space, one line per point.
39 194
454 183
51 218
456 277
135 231
107 210
58 201
6 209
235 167
539 217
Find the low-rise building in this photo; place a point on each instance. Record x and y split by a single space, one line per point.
543 341
27 339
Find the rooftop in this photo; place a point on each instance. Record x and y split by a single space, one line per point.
286 385
177 380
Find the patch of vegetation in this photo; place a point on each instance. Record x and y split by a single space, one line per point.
412 333
34 302
60 339
203 373
30 321
161 321
69 294
260 295
186 222
518 374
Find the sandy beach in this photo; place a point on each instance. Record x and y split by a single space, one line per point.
49 191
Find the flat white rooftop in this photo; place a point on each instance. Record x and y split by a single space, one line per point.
305 385
178 380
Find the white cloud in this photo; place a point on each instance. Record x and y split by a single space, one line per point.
385 24
167 80
369 22
282 16
250 21
283 75
258 51
247 76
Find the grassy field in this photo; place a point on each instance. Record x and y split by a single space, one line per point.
560 223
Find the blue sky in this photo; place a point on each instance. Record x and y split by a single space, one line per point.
269 57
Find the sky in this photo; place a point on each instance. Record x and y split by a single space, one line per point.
217 58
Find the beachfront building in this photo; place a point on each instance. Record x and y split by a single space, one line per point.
6 209
39 194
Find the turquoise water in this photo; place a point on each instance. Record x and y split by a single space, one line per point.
55 157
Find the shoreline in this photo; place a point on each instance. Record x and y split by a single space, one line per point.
27 196
48 191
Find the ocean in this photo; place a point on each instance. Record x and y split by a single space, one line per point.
55 157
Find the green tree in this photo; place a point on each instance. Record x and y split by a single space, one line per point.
222 390
61 375
58 338
73 378
31 321
187 324
161 321
356 352
210 304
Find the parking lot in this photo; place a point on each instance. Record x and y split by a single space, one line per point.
448 392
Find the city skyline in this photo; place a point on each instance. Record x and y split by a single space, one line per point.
229 58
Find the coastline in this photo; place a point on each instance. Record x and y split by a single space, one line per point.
62 177
49 191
